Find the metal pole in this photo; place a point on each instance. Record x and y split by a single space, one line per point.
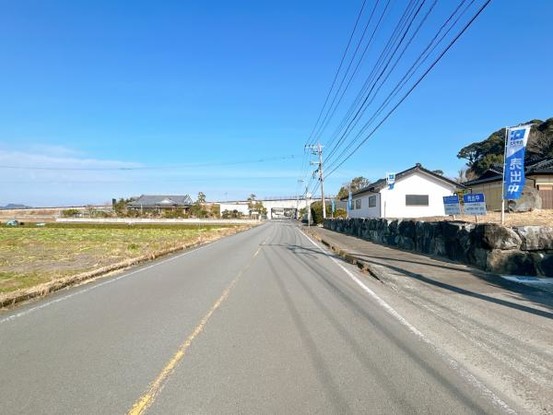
300 182
321 178
503 177
308 204
318 150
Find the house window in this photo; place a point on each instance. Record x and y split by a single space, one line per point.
372 201
358 204
416 200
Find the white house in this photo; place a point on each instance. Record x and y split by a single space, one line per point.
417 192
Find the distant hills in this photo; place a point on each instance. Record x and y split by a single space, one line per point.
482 155
14 206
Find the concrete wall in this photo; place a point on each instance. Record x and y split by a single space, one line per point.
239 207
525 250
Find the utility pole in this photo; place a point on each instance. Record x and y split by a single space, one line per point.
317 150
300 182
308 200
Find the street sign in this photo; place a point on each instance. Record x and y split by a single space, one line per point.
390 180
474 204
451 205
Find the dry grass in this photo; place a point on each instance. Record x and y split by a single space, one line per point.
536 217
36 255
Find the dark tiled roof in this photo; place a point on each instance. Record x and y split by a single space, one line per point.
161 201
495 173
541 167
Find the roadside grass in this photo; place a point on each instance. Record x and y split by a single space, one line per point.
30 255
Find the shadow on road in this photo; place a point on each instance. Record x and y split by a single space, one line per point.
529 293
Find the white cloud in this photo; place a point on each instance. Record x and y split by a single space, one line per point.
55 158
49 175
53 175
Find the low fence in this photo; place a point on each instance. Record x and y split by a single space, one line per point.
523 250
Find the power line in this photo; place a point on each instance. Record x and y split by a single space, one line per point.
334 105
318 151
138 168
386 57
355 71
409 74
455 39
309 142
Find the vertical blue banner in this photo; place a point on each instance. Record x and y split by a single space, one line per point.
513 175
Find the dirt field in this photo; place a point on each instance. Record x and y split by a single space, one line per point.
31 215
32 255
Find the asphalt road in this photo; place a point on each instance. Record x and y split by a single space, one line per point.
260 322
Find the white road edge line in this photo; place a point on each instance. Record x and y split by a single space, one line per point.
465 374
87 289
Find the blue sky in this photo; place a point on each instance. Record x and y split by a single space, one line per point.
103 99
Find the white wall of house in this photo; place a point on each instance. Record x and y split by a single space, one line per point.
397 203
366 206
417 195
240 207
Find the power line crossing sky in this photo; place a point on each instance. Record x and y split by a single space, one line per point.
102 99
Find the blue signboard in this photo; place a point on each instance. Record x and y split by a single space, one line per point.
451 205
474 204
391 180
474 198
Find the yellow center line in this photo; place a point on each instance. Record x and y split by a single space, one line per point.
148 398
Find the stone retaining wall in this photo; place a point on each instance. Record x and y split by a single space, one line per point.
523 250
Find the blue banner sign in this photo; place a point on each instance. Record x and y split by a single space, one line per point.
513 176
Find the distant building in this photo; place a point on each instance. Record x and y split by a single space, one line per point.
539 175
234 207
417 192
161 202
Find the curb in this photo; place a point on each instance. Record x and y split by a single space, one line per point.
376 271
382 272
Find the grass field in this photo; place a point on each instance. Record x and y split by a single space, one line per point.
31 255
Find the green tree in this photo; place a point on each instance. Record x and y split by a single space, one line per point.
540 142
260 208
484 154
355 184
215 210
198 209
120 206
173 213
256 206
231 214
317 212
70 213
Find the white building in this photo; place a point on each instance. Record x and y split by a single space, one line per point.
277 208
417 192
